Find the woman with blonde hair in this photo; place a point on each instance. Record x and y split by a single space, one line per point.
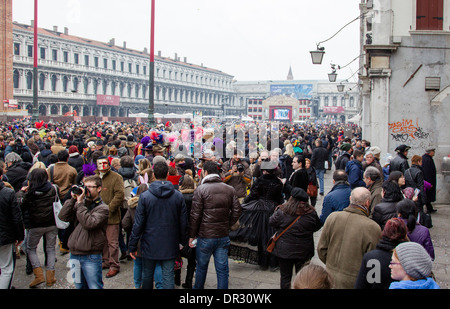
286 160
313 276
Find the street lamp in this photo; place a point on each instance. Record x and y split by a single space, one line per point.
333 75
151 98
317 55
340 87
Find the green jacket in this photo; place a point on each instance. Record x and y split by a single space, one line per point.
113 194
346 236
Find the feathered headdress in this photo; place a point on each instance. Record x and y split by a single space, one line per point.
145 140
89 169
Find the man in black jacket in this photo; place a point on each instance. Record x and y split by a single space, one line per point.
11 234
318 158
400 162
17 170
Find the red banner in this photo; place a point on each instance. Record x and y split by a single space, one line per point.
333 110
112 100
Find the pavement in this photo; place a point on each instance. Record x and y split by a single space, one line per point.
243 275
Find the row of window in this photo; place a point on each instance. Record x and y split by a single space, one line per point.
162 73
140 91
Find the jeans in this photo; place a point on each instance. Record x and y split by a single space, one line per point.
7 265
218 247
34 237
87 271
320 174
137 272
149 272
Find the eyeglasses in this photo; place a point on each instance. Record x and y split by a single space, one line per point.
91 187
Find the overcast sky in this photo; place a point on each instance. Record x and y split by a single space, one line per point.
249 39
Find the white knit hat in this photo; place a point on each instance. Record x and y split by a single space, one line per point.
415 259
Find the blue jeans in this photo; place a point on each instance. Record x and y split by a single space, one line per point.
218 247
149 271
137 272
320 174
87 271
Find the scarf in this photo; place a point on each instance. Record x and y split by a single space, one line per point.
362 208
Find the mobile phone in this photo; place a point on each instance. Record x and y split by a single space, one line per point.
416 192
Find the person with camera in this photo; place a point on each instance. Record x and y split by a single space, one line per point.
90 217
237 174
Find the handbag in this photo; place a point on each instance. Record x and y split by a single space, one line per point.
57 206
275 237
311 190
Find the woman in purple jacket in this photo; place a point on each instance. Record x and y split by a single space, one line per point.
406 210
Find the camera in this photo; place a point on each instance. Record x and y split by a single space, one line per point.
76 190
240 167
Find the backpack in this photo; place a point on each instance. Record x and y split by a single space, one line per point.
129 185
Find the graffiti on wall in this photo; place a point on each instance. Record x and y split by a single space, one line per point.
406 130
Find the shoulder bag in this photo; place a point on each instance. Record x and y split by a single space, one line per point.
275 237
57 206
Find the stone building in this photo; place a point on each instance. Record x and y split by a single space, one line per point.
87 77
405 81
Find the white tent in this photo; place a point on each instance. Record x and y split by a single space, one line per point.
355 118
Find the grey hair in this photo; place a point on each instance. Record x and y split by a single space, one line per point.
12 157
372 172
359 196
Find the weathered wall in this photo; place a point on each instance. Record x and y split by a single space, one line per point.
413 120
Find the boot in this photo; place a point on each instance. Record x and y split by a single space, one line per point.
189 275
50 274
29 268
38 277
177 278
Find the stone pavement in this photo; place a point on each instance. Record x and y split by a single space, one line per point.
246 276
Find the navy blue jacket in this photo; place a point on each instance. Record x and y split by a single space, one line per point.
336 200
160 222
355 173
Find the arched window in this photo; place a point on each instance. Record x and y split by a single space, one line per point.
65 83
16 78
53 82
29 80
75 84
41 81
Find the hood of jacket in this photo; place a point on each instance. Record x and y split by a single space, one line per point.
133 202
423 284
46 152
162 189
127 172
352 163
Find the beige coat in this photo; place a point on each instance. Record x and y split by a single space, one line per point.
346 236
64 175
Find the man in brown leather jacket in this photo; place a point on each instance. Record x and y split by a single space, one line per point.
215 208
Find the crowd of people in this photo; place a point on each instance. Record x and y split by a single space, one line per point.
176 192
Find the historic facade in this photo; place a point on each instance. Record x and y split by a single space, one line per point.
85 77
315 100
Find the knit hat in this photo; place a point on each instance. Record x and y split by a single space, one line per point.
415 259
346 146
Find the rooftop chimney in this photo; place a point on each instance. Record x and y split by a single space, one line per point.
124 44
176 57
185 59
112 42
66 31
159 53
55 28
